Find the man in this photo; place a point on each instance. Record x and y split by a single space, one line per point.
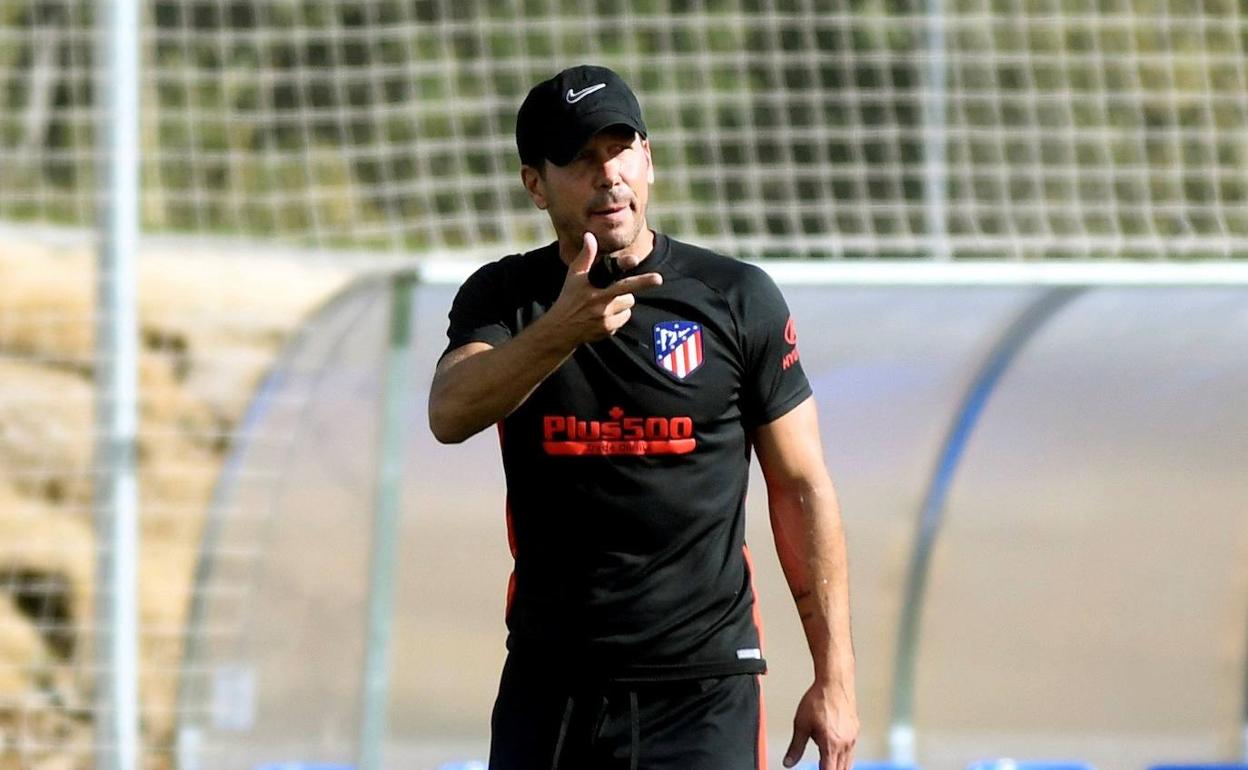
630 375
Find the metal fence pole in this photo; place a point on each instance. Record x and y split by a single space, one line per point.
935 167
116 397
396 398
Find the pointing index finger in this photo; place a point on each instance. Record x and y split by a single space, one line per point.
635 283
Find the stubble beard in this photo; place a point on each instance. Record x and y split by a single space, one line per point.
618 239
612 240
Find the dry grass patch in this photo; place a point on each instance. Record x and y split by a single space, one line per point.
209 328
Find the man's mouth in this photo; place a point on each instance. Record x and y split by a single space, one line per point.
610 212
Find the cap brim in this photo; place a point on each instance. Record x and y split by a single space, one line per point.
571 144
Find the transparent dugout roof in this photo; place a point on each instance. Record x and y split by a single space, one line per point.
1088 587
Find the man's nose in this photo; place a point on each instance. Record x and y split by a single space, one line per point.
608 172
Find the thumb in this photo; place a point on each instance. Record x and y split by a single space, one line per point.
585 259
797 746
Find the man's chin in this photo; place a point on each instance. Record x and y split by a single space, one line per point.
612 239
609 244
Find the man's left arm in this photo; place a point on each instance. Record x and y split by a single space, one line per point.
810 541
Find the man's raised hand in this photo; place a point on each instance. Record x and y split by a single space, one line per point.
587 313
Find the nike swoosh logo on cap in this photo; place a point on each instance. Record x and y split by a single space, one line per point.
575 96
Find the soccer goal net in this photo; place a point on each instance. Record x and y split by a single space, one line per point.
824 128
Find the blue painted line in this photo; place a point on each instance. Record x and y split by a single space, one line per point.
1003 354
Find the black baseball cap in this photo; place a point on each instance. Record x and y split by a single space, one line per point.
560 114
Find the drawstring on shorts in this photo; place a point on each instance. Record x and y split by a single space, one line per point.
634 728
634 719
563 733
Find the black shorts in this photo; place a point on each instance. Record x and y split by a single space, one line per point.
541 723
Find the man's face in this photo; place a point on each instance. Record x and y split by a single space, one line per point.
603 190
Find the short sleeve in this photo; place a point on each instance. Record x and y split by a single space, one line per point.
774 381
479 312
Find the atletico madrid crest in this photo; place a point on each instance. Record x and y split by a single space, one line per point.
678 347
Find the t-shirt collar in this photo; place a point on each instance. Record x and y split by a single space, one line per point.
654 259
658 253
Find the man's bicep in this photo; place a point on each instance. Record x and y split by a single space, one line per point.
459 355
789 448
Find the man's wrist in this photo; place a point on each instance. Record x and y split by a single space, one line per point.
551 337
836 675
832 690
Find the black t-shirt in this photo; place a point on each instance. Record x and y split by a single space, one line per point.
627 467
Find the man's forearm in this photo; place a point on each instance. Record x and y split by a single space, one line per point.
810 542
486 387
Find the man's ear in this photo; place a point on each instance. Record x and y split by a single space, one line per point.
535 185
645 145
